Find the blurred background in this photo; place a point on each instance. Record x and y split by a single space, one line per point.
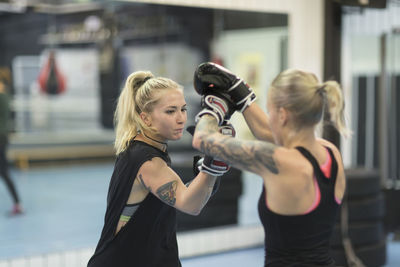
67 61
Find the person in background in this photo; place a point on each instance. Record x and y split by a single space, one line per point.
144 191
5 83
303 176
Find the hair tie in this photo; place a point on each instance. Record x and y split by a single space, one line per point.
321 90
140 83
137 86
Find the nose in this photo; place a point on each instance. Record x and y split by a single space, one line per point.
181 118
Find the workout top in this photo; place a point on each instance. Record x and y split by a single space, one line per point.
149 237
4 114
302 240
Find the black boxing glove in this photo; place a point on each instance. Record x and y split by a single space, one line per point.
210 78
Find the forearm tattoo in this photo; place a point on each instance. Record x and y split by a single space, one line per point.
167 192
248 155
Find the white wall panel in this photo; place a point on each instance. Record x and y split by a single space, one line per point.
306 25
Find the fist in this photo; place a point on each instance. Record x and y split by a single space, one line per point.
211 78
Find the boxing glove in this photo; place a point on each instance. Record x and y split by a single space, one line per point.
215 106
210 78
197 161
211 166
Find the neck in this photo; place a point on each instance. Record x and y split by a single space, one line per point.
304 137
151 140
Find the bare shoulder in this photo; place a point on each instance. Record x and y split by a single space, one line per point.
294 171
341 176
153 167
334 148
338 157
291 159
155 173
325 142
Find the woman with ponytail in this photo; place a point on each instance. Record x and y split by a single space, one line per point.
144 192
303 176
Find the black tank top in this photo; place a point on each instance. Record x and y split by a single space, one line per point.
302 240
149 237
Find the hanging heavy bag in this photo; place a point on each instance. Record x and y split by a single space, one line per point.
51 81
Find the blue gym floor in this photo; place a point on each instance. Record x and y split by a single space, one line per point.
64 209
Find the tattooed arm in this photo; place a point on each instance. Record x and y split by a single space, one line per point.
255 156
257 121
159 179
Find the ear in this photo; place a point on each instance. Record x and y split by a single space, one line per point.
146 118
283 116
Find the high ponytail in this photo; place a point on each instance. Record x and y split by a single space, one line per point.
126 118
300 92
335 106
137 96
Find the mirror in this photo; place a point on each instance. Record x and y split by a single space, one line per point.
96 47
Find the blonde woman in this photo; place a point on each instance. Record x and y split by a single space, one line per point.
144 192
304 180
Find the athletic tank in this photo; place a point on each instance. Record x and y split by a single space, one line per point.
302 240
149 237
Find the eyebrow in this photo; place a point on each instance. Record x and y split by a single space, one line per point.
176 106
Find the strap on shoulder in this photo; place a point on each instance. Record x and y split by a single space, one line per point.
311 159
334 167
314 162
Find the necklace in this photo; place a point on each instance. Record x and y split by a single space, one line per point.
154 139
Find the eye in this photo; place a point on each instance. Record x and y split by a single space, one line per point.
170 111
184 109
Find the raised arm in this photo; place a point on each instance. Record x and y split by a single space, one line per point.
215 80
258 123
255 156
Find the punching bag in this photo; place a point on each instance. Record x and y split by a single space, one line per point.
51 81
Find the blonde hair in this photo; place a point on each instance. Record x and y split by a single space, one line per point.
301 93
138 95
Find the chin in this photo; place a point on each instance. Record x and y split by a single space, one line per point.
176 137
